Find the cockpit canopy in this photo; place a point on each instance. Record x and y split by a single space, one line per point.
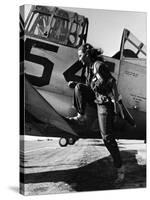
131 46
57 25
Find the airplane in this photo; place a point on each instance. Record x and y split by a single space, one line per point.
49 41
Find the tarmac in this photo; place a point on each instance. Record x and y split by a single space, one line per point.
47 168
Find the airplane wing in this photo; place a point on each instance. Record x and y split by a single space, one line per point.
42 110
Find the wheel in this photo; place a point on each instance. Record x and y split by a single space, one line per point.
71 141
63 142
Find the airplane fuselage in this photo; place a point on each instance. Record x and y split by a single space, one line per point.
51 61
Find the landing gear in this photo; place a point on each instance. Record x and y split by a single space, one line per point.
63 142
71 141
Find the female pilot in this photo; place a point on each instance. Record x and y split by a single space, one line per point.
100 89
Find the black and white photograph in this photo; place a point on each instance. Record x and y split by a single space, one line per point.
82 99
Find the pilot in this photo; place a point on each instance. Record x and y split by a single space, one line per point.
100 89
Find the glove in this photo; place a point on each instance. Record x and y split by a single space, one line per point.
72 84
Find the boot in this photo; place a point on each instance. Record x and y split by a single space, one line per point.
120 175
78 118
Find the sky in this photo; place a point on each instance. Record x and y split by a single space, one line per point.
106 27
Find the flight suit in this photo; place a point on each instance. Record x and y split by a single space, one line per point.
98 92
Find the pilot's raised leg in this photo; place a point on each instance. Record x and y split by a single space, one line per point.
82 95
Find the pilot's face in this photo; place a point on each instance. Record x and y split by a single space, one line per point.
80 55
84 58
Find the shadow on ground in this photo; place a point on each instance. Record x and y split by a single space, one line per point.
99 175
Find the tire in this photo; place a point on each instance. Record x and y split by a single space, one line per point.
63 142
71 141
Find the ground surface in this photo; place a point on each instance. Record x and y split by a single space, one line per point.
86 166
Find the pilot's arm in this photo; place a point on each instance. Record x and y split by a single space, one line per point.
82 79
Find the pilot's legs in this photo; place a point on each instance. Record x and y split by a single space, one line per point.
105 117
83 94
